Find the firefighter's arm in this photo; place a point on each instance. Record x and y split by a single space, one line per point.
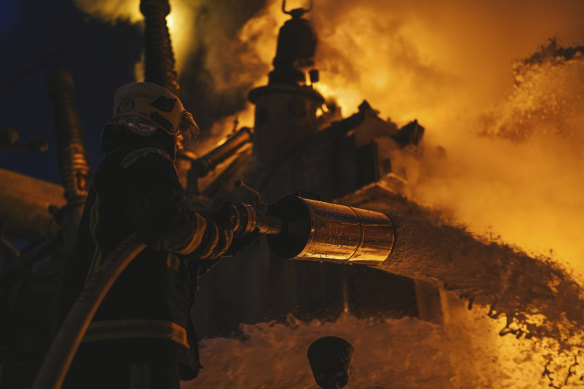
156 208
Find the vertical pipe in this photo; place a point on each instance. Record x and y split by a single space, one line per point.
71 149
159 58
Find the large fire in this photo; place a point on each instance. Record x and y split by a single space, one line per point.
449 64
502 152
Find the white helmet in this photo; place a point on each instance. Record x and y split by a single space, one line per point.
154 107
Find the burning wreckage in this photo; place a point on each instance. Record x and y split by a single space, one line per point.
336 189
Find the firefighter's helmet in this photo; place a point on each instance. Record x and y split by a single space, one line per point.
154 106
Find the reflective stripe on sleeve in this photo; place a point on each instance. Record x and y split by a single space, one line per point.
197 236
132 329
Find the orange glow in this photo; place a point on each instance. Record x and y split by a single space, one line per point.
447 65
222 129
444 64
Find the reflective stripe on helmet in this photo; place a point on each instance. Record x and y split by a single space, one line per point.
153 103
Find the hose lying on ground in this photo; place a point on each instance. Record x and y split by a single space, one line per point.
60 355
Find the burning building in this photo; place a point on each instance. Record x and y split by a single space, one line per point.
300 142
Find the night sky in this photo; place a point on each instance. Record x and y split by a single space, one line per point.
37 34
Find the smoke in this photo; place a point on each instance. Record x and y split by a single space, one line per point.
432 60
456 67
113 10
221 67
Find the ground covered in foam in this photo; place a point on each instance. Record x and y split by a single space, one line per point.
404 353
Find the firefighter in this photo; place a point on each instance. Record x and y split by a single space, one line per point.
142 335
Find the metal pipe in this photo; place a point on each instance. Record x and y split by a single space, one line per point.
318 230
202 166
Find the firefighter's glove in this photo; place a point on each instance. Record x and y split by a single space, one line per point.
224 218
215 242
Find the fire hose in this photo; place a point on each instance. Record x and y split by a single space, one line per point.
60 355
295 228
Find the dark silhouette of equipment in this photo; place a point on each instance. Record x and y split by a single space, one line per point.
330 360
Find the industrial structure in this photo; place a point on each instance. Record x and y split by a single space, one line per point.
298 145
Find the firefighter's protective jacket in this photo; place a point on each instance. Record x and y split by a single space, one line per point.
146 313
